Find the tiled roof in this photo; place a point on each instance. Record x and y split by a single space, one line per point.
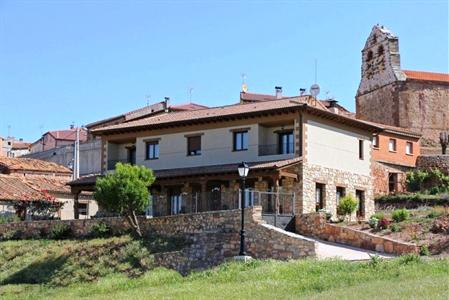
231 112
20 145
187 106
35 165
20 188
68 134
227 168
203 170
430 76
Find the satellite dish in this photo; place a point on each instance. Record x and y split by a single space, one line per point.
314 90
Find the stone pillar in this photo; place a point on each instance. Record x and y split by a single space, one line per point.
204 196
297 129
76 213
187 205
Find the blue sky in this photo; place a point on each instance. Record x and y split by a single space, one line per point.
81 61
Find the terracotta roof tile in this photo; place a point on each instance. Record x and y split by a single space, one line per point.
35 165
420 75
68 134
20 188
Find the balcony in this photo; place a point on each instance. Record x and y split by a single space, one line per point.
277 149
113 162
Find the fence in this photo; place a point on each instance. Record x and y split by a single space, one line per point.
184 203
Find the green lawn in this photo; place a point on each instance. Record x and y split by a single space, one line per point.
402 278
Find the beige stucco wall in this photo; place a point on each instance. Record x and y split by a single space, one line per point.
216 149
67 212
337 147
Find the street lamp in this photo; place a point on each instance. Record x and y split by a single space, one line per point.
243 172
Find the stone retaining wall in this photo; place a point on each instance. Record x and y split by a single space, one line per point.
427 162
315 225
214 236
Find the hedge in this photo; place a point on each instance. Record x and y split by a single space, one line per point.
410 201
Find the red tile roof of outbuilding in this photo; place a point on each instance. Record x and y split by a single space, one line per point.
33 165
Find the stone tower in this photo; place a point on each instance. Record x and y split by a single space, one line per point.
389 95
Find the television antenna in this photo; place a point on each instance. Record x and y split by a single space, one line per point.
314 90
244 86
148 97
190 94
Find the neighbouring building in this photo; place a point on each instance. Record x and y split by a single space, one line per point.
25 181
395 151
303 157
12 147
57 138
90 147
414 100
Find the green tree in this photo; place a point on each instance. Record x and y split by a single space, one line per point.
347 205
125 192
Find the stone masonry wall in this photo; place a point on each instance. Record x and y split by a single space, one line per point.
315 225
332 179
214 236
428 162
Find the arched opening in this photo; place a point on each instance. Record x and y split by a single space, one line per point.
369 56
380 50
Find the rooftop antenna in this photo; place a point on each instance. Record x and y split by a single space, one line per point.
148 97
190 94
244 86
316 70
9 130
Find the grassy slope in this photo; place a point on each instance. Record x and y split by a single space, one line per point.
396 279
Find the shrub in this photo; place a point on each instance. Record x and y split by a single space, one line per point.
373 222
11 235
60 231
9 219
395 228
400 215
409 258
383 223
347 205
100 229
424 250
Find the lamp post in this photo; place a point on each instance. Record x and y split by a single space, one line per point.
243 172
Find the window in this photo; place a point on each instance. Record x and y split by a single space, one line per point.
319 196
286 143
82 208
341 192
240 140
392 182
361 150
194 145
360 196
152 150
376 141
392 145
409 148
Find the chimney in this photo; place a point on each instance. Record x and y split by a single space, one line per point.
72 126
302 91
333 106
278 90
166 103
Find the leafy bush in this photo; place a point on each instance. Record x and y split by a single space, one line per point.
347 205
409 259
11 235
378 215
9 219
400 215
424 250
395 228
100 229
373 222
60 231
432 182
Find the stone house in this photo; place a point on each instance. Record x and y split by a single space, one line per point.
414 100
12 147
303 157
26 181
